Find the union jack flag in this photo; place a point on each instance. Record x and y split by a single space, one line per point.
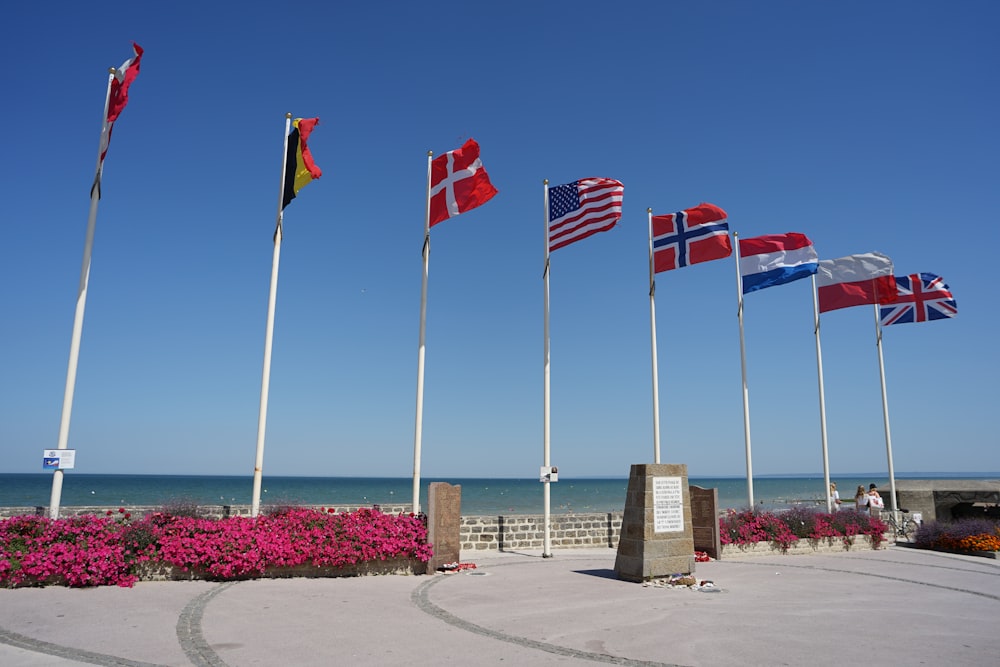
922 297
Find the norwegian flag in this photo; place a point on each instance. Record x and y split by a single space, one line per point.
459 183
694 235
922 297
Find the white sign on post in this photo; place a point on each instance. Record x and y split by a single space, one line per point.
58 459
668 505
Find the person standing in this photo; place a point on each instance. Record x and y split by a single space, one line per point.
835 496
861 499
874 499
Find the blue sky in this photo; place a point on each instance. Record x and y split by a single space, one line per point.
866 126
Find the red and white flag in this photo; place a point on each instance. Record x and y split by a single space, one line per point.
459 183
855 280
694 235
118 97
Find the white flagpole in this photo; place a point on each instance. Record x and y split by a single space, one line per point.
885 411
421 346
269 333
743 370
547 542
652 334
81 304
822 398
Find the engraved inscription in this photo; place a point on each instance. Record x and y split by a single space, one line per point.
668 505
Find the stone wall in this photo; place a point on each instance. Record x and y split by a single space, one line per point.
527 531
802 547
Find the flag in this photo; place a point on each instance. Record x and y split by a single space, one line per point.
124 76
583 208
459 183
691 236
854 281
922 297
775 259
117 99
300 170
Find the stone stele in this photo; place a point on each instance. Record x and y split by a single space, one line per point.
657 538
444 517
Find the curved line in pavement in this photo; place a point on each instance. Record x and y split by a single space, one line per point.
881 576
420 598
189 634
68 653
975 567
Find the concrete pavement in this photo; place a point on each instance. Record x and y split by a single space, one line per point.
892 606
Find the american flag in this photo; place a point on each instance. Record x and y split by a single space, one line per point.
582 208
922 297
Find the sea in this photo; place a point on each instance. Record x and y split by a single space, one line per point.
480 496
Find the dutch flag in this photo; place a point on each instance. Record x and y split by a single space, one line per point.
776 259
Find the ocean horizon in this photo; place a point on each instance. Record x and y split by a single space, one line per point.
480 495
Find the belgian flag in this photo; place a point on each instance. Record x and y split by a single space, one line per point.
300 170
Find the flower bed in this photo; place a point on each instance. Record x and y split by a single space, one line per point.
971 536
799 530
96 551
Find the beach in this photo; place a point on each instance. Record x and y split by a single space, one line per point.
480 496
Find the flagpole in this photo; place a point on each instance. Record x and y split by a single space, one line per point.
885 409
743 371
421 345
269 333
652 335
822 398
546 493
81 305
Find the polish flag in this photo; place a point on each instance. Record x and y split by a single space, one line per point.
855 280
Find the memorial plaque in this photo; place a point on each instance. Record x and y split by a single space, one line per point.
655 539
668 505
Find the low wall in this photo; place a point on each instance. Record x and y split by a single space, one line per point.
527 531
802 547
478 533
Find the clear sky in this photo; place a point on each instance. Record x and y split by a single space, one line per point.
867 126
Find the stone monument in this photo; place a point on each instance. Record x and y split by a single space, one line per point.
656 536
705 520
444 518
